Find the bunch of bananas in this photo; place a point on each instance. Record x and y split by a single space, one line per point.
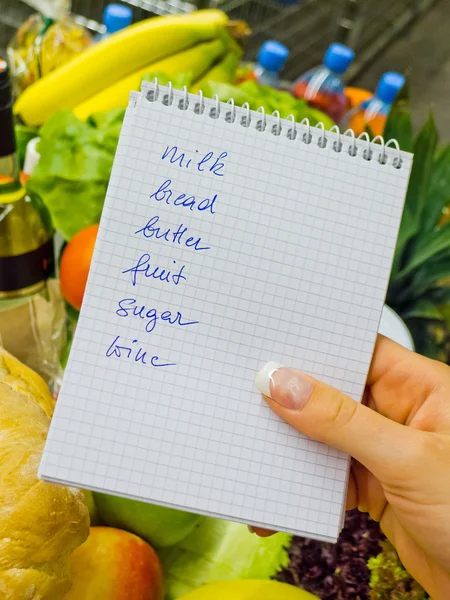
102 77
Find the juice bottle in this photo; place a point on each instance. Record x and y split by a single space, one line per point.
323 86
373 113
271 59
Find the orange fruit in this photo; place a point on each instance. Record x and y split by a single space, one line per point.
75 263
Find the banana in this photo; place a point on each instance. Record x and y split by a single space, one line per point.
230 40
123 53
224 71
195 61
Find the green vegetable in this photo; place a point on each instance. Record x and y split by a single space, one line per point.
389 578
221 551
178 81
269 98
73 171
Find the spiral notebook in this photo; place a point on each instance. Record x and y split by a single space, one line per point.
228 238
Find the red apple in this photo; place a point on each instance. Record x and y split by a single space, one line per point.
115 565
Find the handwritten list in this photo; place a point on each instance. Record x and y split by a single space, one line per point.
179 234
222 247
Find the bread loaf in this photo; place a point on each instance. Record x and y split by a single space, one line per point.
40 523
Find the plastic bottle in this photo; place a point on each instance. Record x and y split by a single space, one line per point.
374 112
323 86
32 317
271 59
115 18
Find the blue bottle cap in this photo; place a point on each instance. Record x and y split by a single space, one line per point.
338 58
273 56
389 86
117 17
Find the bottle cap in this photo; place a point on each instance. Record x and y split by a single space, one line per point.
117 17
389 86
338 58
273 56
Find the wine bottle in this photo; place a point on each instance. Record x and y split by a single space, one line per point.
32 320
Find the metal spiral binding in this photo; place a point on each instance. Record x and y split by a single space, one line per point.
278 126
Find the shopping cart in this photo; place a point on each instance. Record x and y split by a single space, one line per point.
306 27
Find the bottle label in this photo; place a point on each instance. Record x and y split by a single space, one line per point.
26 270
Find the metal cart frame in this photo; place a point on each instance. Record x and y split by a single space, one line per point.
306 27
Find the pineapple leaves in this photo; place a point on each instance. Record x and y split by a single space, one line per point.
438 197
419 288
408 229
440 296
416 198
434 272
419 184
429 337
429 245
399 126
424 309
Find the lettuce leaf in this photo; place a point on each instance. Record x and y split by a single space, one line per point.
177 81
221 551
390 579
269 98
73 172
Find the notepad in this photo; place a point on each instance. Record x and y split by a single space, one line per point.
228 238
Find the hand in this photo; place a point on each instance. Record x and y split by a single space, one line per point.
399 437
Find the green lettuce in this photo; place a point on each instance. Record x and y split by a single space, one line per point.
177 81
221 551
269 98
74 168
390 579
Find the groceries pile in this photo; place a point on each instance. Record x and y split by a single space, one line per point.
69 112
61 543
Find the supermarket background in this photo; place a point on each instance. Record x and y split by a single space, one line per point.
407 36
385 34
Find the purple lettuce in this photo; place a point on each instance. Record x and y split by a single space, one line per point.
336 571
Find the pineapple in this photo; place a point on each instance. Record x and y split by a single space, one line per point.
419 288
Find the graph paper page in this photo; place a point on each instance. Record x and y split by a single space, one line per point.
220 248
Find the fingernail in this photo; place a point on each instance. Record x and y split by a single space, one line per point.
284 386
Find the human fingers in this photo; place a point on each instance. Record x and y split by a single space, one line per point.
330 416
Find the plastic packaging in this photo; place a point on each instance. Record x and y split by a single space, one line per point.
373 112
271 59
45 41
115 18
323 86
32 157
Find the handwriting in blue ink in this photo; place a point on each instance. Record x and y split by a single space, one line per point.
130 353
199 162
153 230
164 194
128 307
144 266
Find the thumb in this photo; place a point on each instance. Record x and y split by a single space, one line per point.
330 416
